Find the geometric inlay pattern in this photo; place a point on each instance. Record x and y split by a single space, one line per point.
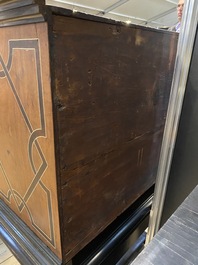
38 170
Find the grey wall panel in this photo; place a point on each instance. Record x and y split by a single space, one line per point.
184 170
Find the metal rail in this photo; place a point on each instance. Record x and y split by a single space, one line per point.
183 58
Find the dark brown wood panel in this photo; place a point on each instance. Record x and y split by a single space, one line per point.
112 85
104 191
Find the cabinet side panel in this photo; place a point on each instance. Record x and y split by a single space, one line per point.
112 85
27 162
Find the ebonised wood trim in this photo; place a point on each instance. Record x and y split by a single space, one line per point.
23 243
12 4
122 232
16 12
23 10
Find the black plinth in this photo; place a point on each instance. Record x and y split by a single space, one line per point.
26 247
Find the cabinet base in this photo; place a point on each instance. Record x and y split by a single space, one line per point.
23 243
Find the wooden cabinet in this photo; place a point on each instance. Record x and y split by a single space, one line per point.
82 111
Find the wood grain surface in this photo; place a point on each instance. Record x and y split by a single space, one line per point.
27 162
92 149
110 96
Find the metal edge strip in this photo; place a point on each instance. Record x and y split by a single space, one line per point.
182 65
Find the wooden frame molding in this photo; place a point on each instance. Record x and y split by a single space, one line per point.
24 244
13 12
